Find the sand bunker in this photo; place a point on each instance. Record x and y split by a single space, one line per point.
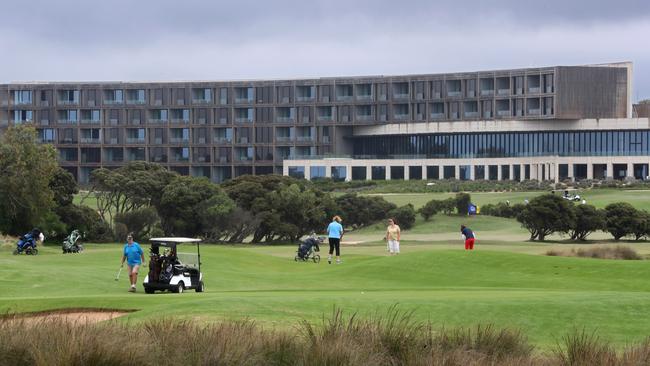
77 316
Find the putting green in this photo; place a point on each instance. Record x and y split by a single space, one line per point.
544 296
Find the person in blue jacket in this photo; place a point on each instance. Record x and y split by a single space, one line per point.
335 233
134 257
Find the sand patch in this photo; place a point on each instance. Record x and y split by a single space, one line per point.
75 316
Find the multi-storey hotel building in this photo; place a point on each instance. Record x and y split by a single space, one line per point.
536 123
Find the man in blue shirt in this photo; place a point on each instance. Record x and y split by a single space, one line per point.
335 233
134 257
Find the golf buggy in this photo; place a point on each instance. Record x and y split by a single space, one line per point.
71 243
173 271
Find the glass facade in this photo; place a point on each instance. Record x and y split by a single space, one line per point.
505 144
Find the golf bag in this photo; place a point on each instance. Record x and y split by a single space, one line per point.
306 248
71 243
27 243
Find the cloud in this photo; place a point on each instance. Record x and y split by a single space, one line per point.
207 40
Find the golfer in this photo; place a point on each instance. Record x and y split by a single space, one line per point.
134 257
468 235
335 233
392 237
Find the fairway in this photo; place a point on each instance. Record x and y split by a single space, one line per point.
544 296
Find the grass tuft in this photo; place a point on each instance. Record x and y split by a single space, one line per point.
599 252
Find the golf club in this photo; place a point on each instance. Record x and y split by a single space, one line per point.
117 278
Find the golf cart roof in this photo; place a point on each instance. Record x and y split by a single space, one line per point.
174 240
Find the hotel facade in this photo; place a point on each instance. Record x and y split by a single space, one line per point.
549 123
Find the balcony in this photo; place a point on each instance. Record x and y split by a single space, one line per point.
305 99
68 140
437 115
304 138
135 140
136 101
365 117
222 140
67 122
113 101
222 159
471 114
202 159
534 90
243 100
245 158
243 120
157 120
283 139
401 117
180 120
454 93
112 141
503 91
344 98
485 93
91 121
158 158
67 102
503 113
90 140
325 118
201 101
400 95
365 97
284 119
179 140
534 112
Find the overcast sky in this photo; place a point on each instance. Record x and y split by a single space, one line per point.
164 40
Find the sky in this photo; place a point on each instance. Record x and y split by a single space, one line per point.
165 40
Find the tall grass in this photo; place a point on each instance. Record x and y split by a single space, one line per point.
393 338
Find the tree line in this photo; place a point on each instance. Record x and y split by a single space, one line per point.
149 200
548 214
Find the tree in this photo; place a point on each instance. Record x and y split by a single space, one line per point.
404 216
295 212
26 168
448 205
429 209
130 187
86 220
191 206
63 186
462 201
140 222
359 211
620 219
588 219
545 215
642 225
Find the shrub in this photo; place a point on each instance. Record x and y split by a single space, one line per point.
620 219
404 216
86 220
642 225
359 211
462 203
429 209
588 219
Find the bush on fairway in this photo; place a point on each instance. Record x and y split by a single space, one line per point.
462 203
359 211
545 215
620 219
588 219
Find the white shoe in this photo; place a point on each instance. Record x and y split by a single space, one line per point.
338 261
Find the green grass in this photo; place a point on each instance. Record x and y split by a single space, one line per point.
544 296
597 197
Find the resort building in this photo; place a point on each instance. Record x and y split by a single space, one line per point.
548 123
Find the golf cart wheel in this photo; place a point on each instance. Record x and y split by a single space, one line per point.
200 287
180 288
34 251
148 290
316 258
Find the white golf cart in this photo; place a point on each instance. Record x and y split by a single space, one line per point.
170 270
